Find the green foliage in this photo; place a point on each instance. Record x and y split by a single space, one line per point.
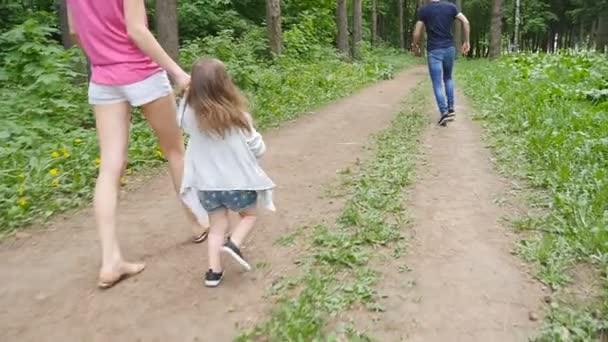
337 275
48 148
203 18
547 117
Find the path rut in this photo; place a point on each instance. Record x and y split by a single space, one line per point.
48 280
464 284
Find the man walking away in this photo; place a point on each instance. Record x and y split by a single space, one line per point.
437 17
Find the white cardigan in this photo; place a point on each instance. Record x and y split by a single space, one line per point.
215 164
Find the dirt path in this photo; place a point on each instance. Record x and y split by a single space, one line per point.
464 285
48 293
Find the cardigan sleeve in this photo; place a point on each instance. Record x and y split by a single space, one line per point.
254 140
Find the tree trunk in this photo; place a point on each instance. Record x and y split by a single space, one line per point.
273 23
496 30
62 10
458 30
401 26
374 22
516 30
357 18
406 20
601 38
166 26
342 27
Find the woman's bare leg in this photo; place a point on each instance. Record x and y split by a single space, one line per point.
112 123
161 114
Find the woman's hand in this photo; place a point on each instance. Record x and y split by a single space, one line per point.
182 81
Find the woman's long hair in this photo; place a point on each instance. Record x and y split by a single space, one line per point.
217 103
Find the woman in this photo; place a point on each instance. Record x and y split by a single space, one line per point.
129 69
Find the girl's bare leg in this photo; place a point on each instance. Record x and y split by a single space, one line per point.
112 123
248 218
218 227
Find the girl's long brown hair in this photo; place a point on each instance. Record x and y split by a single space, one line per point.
216 101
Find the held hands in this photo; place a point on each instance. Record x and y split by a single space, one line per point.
182 81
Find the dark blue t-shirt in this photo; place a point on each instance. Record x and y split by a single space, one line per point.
438 18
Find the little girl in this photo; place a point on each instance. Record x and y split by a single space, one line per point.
221 171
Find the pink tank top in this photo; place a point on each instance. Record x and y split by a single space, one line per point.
102 30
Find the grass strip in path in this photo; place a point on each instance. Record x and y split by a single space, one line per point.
336 274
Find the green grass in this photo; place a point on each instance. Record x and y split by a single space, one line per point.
48 147
546 118
336 274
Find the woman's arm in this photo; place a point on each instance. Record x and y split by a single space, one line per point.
135 17
72 28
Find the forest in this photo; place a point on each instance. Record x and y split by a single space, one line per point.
537 76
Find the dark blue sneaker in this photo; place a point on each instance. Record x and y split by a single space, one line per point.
451 114
235 253
213 279
443 121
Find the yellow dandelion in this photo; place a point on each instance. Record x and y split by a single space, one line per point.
77 141
97 161
159 153
123 180
55 154
53 172
65 152
55 182
22 202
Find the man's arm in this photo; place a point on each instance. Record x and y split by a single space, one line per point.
466 30
417 35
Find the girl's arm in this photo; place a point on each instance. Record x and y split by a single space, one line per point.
135 17
254 140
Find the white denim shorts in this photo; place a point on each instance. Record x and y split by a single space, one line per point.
137 94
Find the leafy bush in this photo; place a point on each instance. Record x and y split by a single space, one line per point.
202 18
547 117
48 149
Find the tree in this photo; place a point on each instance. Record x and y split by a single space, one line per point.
273 22
516 31
357 26
62 11
342 19
601 38
496 29
374 22
401 26
166 26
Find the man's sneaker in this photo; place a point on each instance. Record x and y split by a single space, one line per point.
443 121
213 279
235 252
451 114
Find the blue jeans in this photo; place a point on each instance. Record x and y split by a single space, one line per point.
441 63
